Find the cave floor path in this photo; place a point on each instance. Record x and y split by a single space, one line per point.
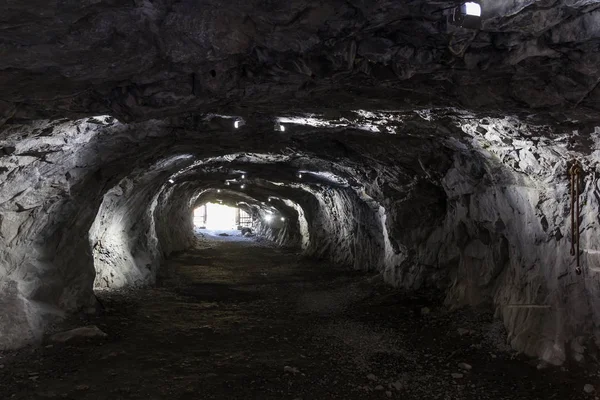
241 320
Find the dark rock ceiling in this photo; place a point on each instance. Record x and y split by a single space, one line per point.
149 59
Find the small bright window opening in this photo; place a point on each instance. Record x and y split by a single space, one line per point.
300 176
279 126
171 181
243 186
471 8
243 176
236 124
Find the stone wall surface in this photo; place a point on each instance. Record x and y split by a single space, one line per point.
433 154
510 228
150 59
475 206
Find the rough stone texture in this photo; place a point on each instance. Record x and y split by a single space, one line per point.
514 235
85 332
480 211
142 59
470 197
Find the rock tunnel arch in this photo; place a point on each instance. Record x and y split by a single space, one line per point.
468 197
133 217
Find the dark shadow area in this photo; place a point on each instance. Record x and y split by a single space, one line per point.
215 292
239 320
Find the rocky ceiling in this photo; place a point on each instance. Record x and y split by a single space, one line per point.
145 59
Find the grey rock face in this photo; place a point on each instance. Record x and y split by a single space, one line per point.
86 332
513 238
474 203
144 59
481 210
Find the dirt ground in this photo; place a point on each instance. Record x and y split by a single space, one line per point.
243 320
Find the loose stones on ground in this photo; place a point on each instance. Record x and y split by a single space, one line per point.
465 366
86 332
588 388
290 369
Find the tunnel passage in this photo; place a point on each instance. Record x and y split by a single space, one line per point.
425 144
484 222
343 128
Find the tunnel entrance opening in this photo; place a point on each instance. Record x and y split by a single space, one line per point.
215 216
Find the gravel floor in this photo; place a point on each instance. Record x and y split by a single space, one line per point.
240 320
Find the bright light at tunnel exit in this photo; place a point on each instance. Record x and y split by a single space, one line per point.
218 217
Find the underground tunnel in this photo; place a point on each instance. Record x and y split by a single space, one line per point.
299 200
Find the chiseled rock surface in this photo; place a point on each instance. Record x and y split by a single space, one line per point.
146 59
85 332
513 224
474 205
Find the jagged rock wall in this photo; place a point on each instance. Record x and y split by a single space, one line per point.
276 231
344 230
481 212
487 221
509 232
329 223
123 236
47 201
55 175
146 59
284 233
495 232
412 220
173 221
302 224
